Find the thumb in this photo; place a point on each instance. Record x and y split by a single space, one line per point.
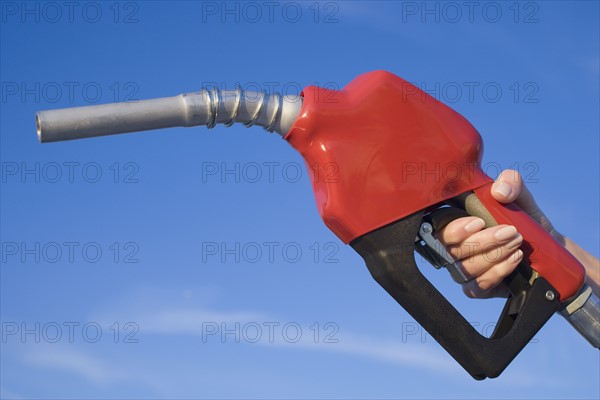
509 187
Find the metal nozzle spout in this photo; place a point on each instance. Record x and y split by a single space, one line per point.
583 313
274 112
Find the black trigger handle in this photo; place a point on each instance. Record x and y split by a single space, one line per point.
389 255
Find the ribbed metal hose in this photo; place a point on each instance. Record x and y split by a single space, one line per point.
274 112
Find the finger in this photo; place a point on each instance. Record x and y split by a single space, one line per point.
481 241
509 187
476 265
459 230
485 285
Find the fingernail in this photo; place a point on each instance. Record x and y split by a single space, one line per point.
475 225
504 189
516 242
518 255
505 233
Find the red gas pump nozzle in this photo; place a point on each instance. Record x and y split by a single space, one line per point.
381 135
386 137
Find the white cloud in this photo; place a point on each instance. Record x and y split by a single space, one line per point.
185 320
75 362
188 321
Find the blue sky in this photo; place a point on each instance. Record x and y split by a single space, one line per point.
119 276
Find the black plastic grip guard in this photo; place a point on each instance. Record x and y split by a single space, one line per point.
389 255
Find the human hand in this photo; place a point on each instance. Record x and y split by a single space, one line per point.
487 256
